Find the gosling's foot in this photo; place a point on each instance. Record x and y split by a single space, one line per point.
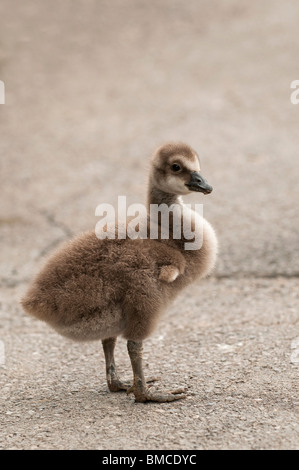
118 385
145 394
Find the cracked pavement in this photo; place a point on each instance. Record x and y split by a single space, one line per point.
91 91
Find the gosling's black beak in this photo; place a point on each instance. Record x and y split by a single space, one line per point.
198 183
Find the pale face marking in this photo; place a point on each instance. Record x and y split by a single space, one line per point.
191 166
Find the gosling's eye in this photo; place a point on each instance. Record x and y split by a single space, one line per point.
175 167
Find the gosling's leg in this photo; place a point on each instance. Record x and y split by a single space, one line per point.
114 383
140 389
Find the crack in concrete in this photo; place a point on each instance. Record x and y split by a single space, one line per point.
49 247
10 282
67 233
56 224
252 275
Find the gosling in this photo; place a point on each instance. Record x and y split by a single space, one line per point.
98 289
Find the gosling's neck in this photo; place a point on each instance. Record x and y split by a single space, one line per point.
157 196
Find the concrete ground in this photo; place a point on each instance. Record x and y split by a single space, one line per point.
92 87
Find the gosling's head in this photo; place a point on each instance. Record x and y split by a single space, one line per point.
175 169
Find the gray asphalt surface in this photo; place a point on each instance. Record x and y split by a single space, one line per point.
92 88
